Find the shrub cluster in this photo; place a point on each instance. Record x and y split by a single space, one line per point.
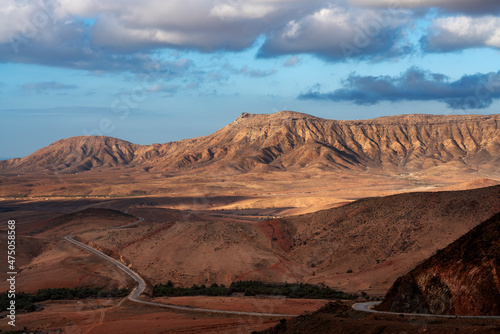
253 288
26 301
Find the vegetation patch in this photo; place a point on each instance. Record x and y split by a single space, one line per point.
253 288
26 301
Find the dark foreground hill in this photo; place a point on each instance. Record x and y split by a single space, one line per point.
461 279
339 318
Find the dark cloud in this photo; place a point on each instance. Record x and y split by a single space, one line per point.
67 46
69 43
469 92
44 87
477 7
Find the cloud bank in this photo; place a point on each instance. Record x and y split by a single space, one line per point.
476 91
118 35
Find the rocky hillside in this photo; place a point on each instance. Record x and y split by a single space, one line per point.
380 239
291 140
461 279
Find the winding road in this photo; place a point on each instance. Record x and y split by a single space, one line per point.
141 284
368 307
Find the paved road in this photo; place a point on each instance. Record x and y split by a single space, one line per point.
367 307
141 284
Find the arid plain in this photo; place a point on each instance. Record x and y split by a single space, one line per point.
286 197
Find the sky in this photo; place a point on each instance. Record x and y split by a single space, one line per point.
154 71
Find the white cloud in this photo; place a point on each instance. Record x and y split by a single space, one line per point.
204 25
242 10
456 33
292 61
340 32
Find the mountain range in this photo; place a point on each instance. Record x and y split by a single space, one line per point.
289 141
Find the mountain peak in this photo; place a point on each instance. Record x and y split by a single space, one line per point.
91 140
291 114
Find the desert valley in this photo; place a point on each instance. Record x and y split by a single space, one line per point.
313 215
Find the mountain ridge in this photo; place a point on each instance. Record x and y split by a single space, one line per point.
290 140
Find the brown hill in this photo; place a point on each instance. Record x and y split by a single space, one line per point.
81 221
77 154
473 184
291 140
461 279
378 239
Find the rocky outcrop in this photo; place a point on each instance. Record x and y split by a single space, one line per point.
461 279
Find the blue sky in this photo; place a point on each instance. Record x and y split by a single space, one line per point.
157 71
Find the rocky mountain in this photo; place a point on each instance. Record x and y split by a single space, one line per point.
291 140
461 279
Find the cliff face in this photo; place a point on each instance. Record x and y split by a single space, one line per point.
291 140
461 279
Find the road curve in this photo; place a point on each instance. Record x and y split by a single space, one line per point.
141 284
367 307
